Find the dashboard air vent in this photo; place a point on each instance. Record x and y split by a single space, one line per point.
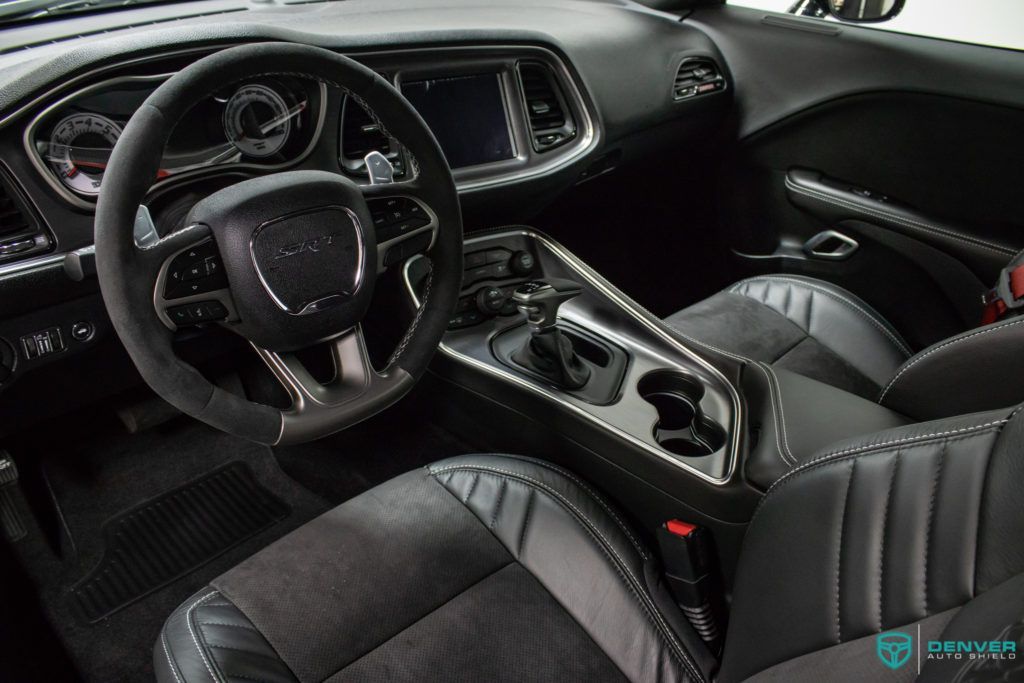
697 76
361 135
550 120
22 233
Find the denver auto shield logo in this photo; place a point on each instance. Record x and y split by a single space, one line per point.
894 649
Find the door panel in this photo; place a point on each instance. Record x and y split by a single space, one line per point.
910 146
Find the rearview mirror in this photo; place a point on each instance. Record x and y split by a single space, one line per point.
865 11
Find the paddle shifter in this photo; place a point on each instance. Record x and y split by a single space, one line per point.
548 352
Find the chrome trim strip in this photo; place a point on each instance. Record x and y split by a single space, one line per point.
647 319
41 263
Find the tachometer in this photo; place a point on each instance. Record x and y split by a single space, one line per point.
79 149
257 120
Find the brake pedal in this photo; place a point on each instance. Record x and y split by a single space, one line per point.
10 518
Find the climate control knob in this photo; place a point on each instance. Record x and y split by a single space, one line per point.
521 263
490 300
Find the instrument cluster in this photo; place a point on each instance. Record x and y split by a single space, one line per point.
265 123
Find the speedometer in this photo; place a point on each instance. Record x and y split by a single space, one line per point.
79 149
257 120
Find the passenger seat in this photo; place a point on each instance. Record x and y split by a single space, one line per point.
818 330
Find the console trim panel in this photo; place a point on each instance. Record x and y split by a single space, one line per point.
638 314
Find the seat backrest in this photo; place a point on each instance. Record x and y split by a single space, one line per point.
893 532
982 369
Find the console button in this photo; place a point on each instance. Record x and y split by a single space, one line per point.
497 255
466 319
42 343
490 300
82 331
522 263
475 260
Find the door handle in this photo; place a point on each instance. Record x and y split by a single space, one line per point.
831 246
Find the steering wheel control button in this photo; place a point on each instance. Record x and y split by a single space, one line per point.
82 331
396 216
197 313
197 270
308 257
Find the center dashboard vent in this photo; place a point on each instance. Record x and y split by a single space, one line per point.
551 122
697 76
22 233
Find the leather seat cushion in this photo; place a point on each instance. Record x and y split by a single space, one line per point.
800 324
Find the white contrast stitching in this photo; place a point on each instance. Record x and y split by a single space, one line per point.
170 662
915 361
836 296
415 322
188 622
597 499
907 222
728 354
173 236
637 586
883 445
780 422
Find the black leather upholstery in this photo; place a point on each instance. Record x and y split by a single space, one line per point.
876 535
980 369
815 329
501 568
803 325
477 568
796 416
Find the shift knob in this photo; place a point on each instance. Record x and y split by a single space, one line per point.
540 300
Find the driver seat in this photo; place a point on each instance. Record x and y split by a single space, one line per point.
499 568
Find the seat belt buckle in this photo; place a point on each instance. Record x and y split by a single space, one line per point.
1007 295
687 554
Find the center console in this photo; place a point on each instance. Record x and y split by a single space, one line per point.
540 323
551 358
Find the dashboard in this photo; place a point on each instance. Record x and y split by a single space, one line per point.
528 99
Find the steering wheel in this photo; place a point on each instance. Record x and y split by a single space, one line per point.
280 296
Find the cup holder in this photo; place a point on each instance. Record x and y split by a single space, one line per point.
682 428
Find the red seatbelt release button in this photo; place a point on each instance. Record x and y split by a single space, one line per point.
679 528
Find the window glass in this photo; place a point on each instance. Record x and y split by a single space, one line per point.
999 23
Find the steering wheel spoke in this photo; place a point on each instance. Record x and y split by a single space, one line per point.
191 287
404 222
356 391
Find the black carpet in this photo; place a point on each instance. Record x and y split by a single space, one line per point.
100 476
157 542
402 438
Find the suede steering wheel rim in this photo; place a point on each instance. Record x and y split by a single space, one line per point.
248 221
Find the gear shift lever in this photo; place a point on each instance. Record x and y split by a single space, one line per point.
548 352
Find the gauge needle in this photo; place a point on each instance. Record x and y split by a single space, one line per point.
274 123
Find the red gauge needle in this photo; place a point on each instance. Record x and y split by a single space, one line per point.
161 173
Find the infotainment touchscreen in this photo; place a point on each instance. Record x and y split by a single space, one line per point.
466 114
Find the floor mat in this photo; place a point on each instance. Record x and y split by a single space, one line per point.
150 546
96 476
